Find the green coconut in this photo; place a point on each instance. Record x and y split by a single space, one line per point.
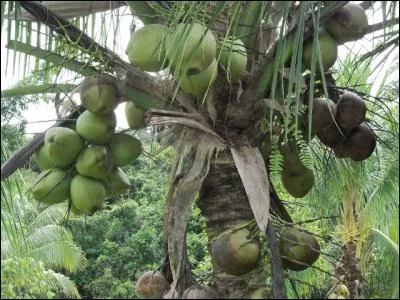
328 50
291 157
43 159
116 183
234 59
95 162
96 128
260 293
351 110
361 143
323 113
99 95
87 194
51 186
332 296
134 115
190 48
298 249
75 211
236 253
151 285
124 149
197 84
199 292
347 24
298 185
63 145
146 48
341 290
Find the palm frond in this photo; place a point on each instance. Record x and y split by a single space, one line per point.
63 284
54 214
62 254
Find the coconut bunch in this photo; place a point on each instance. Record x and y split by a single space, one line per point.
191 51
341 126
84 164
348 24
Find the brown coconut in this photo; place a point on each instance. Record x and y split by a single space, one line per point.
324 112
351 110
361 143
199 292
151 285
341 150
331 136
298 249
349 23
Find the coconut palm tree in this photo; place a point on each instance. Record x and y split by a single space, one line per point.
227 136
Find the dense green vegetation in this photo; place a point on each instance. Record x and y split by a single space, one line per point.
126 238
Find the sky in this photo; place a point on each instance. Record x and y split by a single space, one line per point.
42 111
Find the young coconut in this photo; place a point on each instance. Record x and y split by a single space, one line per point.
95 162
75 211
323 113
87 194
146 48
190 48
124 149
351 110
298 185
151 285
234 59
236 253
341 290
349 23
51 186
361 143
197 84
96 128
261 293
43 159
291 156
134 115
298 249
99 95
63 145
328 49
199 292
116 183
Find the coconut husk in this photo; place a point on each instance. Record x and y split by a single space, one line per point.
361 143
351 111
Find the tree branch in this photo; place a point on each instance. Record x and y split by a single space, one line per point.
278 281
38 89
71 9
379 26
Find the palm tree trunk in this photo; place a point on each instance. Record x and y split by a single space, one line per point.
224 205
